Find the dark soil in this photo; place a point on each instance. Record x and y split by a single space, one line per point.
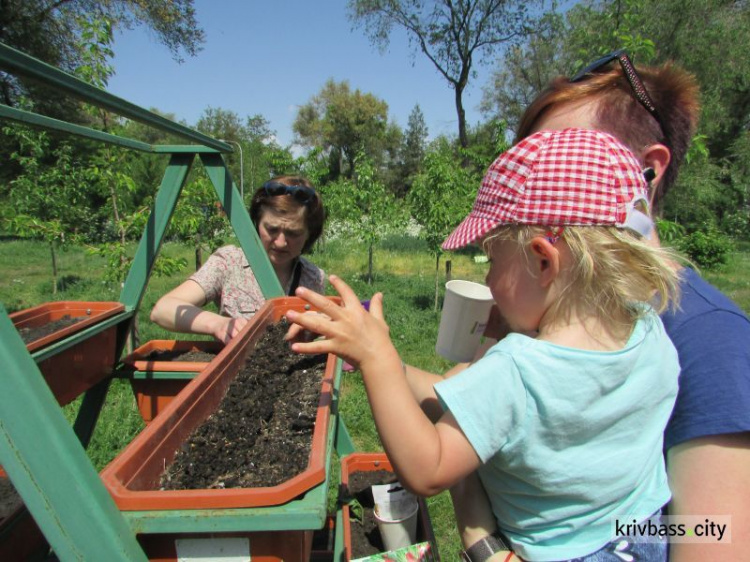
10 500
29 335
365 535
191 356
261 433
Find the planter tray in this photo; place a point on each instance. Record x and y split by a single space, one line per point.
91 312
132 478
139 359
369 462
70 361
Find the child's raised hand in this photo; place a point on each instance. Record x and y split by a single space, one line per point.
349 331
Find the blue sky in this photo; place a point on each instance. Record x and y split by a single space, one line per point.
271 56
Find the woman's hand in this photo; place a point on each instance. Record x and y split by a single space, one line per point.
225 328
349 331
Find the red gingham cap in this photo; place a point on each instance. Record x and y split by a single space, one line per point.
573 177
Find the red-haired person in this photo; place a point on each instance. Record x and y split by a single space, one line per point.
654 111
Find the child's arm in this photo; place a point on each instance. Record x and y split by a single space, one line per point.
427 458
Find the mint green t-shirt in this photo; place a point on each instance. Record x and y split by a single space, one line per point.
570 439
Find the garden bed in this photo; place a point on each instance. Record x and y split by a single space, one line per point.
359 472
47 323
282 406
261 433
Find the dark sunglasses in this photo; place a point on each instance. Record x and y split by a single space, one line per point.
301 193
636 84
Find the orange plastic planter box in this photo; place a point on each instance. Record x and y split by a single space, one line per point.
141 360
370 462
89 312
154 394
74 370
133 476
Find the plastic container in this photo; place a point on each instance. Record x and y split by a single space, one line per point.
368 462
89 312
140 359
74 369
155 382
133 476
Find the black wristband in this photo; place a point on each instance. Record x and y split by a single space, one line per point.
484 548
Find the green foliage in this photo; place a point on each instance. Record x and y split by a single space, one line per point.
345 123
412 151
365 205
59 34
708 248
670 232
440 198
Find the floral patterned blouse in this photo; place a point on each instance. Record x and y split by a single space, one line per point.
228 280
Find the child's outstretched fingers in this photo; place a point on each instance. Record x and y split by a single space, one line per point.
349 298
376 306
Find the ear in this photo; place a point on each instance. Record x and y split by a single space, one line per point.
656 156
546 260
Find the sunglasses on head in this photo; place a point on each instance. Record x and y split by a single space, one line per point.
636 84
301 193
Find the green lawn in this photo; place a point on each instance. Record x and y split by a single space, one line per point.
404 272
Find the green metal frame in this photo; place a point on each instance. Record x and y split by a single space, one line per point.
44 457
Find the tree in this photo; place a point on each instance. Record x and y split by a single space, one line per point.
453 35
365 205
47 201
50 30
413 150
524 70
440 198
344 123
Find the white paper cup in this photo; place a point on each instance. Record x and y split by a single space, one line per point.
398 533
466 309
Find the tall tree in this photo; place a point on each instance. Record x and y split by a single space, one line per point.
441 196
452 34
50 30
524 70
412 149
344 122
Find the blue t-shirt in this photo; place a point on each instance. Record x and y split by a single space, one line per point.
569 439
712 337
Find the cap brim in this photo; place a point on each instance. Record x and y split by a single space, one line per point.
468 232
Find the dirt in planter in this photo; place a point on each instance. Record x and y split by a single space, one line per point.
261 433
365 535
10 500
29 335
171 355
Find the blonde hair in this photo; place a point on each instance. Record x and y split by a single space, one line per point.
611 273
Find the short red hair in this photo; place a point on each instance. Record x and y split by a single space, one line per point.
674 92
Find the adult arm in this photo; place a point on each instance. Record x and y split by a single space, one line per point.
711 476
180 311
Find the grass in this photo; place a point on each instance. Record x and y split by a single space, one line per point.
404 272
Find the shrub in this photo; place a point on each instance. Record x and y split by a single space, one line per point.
708 248
737 224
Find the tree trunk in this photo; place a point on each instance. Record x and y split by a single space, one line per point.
369 266
437 281
54 267
463 138
198 252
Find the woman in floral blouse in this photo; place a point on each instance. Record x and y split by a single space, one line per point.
289 215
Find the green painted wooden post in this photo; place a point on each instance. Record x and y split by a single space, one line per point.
239 218
49 467
153 235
